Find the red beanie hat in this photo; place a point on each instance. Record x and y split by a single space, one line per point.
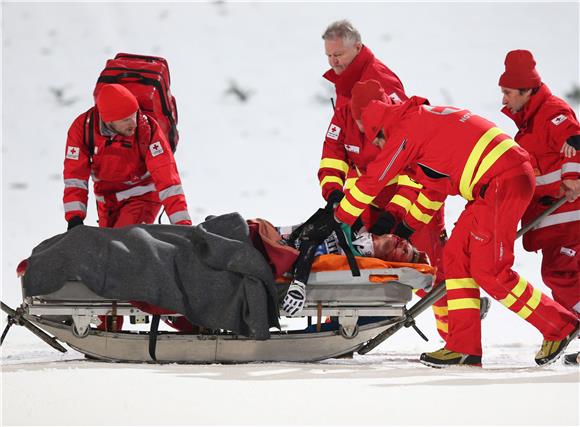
363 93
520 71
116 102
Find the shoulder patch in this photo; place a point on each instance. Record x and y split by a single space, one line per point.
559 119
72 153
333 132
395 98
156 149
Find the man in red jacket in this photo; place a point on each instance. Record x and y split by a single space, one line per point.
131 165
549 131
454 151
345 154
130 161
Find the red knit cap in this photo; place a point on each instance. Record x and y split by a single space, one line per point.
520 71
363 93
116 102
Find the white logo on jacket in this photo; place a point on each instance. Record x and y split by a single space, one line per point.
333 132
72 153
559 119
568 252
156 149
395 98
352 148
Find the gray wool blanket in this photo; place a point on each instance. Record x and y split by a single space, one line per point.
210 273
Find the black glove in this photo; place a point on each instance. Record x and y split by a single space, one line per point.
318 227
75 220
334 197
384 224
573 141
403 230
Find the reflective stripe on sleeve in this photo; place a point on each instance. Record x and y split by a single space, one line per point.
100 199
346 206
179 216
174 190
350 182
75 206
515 293
570 167
416 213
135 191
401 201
427 203
559 218
76 183
548 178
334 164
531 304
328 179
359 196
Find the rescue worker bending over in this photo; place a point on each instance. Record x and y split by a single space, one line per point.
457 152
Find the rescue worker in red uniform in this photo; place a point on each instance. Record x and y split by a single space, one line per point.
457 152
130 162
548 129
345 154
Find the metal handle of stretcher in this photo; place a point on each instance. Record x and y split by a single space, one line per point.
405 275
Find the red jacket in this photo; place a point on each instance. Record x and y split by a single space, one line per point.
365 67
121 167
545 123
450 151
345 157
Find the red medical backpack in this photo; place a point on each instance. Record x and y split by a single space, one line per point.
147 77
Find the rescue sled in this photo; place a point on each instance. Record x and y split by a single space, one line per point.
364 307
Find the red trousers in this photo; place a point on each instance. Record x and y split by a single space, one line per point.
135 210
480 252
561 273
431 239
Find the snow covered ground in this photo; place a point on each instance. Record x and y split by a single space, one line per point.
260 158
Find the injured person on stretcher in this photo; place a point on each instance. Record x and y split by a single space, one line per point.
226 273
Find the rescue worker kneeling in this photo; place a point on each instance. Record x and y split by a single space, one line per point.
453 151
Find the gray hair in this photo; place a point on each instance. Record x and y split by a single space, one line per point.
342 29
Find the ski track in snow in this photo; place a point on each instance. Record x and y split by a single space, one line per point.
260 158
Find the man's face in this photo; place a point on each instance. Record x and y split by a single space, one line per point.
514 100
389 247
341 54
126 126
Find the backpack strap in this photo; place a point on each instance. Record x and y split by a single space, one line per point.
89 132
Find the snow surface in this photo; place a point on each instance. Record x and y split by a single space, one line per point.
260 158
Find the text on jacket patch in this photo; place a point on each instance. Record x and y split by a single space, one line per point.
559 119
333 131
352 148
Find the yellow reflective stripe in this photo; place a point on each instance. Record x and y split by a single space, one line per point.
334 164
451 284
405 180
515 293
401 201
439 311
473 159
359 196
328 179
420 216
490 159
395 180
426 202
463 304
350 183
442 326
349 208
531 305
